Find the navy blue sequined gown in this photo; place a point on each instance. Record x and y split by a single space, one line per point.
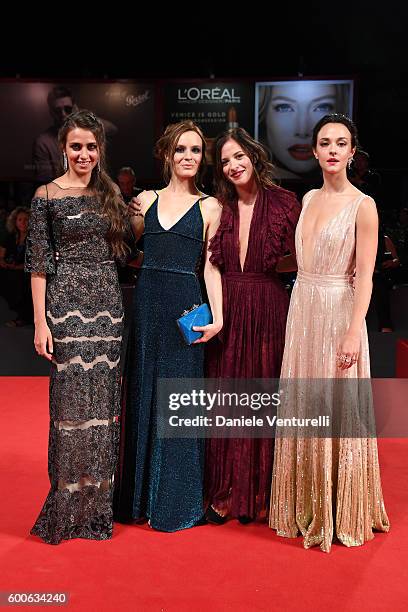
161 479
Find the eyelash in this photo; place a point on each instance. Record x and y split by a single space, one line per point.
239 156
195 150
283 108
324 107
77 147
340 144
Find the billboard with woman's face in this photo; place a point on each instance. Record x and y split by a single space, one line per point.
286 113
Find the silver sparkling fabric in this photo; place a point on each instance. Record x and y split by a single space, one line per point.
322 487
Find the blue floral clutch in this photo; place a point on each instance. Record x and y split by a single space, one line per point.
197 315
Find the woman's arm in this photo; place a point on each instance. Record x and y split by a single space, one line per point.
42 336
212 276
39 261
366 251
137 210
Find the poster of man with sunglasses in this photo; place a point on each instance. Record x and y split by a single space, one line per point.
46 151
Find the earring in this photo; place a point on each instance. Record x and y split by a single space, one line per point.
65 161
98 166
350 161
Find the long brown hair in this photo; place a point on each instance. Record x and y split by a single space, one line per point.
167 143
263 168
100 183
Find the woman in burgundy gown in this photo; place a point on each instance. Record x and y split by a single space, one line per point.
256 230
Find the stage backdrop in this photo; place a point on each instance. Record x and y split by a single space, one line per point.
126 108
286 113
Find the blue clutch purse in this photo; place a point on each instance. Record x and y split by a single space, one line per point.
197 315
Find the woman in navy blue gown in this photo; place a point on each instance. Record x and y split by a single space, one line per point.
162 479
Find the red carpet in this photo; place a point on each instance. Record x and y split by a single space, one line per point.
206 568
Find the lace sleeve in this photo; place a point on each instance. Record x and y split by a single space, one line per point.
39 257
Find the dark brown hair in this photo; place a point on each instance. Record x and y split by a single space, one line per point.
166 147
336 118
256 152
100 183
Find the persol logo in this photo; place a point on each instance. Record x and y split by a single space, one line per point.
201 94
135 100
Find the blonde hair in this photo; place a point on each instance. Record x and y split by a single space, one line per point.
12 218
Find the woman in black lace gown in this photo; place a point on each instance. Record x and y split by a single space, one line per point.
76 230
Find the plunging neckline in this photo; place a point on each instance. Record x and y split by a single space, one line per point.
242 267
178 220
325 225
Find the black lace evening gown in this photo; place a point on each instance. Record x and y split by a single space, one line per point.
67 241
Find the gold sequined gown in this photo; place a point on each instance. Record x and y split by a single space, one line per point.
325 486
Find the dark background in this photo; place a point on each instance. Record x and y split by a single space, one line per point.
201 41
231 41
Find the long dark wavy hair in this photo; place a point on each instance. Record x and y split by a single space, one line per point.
167 143
263 168
100 183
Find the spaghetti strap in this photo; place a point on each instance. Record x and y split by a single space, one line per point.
153 201
200 200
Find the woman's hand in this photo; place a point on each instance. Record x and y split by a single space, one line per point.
210 330
348 351
43 340
135 208
391 263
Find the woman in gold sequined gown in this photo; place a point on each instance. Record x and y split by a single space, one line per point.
329 487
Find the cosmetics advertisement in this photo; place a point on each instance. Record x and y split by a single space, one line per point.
214 106
286 113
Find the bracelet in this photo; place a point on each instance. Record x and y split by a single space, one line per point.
135 214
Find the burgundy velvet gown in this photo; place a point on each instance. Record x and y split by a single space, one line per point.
255 304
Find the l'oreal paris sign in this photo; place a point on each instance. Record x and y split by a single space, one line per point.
201 94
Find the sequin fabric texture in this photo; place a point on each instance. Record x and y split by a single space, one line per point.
161 479
325 487
67 241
